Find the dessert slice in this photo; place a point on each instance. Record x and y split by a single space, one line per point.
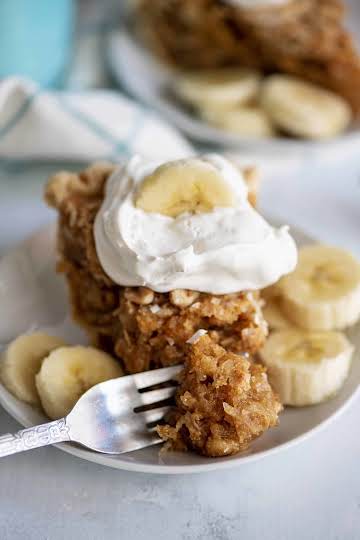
305 38
223 403
143 328
154 252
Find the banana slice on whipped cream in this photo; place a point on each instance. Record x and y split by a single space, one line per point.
188 224
192 185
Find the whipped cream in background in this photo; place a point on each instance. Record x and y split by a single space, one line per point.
223 251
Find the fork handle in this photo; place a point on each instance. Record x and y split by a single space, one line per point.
35 437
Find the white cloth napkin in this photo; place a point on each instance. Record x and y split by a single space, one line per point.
84 126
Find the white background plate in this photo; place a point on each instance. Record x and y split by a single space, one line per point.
32 296
148 80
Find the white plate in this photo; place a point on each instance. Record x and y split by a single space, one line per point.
148 80
32 296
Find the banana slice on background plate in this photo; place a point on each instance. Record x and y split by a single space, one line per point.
21 362
246 121
323 292
218 89
184 186
68 372
303 109
306 368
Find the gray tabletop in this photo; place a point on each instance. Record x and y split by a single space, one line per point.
311 491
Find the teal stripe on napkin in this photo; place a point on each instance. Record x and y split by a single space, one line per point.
120 146
18 115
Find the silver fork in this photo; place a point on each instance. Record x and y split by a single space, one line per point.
109 418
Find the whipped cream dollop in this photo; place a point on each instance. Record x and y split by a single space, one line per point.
222 251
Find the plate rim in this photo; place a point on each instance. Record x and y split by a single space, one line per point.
215 465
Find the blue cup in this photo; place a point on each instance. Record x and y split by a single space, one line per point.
36 39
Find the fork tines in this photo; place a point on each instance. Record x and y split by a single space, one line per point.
155 403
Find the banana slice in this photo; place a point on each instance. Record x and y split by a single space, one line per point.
67 373
218 89
247 121
274 315
323 293
21 362
303 109
306 368
189 185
